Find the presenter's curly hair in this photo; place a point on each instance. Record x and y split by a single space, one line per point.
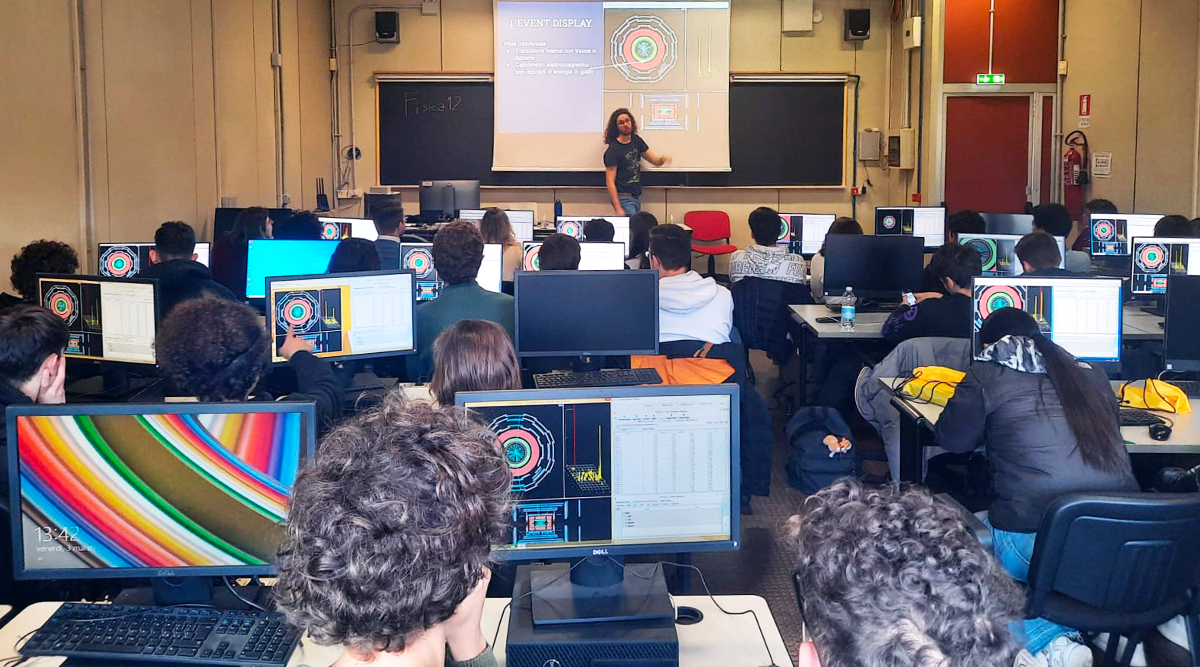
894 578
213 349
610 130
391 526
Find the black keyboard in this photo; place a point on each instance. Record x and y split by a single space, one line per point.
190 635
1137 417
1188 387
609 377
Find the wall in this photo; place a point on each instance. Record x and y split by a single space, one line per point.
1138 60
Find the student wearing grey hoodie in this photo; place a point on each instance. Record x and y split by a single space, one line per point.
690 307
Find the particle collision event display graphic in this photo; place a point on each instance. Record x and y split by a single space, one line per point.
563 67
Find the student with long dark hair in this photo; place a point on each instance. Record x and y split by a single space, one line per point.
228 260
1049 426
640 224
496 228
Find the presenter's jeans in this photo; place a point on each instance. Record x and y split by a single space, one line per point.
1014 551
629 203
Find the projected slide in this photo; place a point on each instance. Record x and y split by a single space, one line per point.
563 67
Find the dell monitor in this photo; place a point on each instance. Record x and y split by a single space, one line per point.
580 313
1181 345
573 226
1111 233
418 258
804 233
998 252
153 490
925 222
108 319
605 473
357 228
275 257
127 260
442 200
1016 224
346 315
592 256
1154 259
224 218
1081 315
877 267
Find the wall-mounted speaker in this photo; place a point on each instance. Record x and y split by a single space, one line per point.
858 24
387 27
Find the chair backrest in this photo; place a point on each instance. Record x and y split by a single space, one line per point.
1119 552
707 225
760 312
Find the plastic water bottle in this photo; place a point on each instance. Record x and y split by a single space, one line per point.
849 301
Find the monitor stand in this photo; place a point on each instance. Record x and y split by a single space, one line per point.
171 591
598 589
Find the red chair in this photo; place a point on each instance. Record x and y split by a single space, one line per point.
710 226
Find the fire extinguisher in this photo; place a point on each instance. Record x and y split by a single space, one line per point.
1075 176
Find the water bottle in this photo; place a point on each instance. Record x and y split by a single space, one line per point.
557 209
848 309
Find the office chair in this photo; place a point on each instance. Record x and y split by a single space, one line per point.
1121 563
761 314
709 227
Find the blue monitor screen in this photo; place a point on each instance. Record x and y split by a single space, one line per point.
267 258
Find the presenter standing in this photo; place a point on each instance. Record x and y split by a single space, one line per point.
623 162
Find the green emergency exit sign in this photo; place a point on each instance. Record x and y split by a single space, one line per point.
989 79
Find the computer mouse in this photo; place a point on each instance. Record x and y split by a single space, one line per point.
1160 432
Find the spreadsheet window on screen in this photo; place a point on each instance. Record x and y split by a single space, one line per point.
617 471
1083 316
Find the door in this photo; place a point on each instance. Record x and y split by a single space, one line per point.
988 153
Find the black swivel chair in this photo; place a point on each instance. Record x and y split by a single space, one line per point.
761 314
1121 563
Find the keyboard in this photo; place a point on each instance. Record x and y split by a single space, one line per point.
609 377
1137 417
189 635
1188 387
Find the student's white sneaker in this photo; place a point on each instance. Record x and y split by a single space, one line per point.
1139 653
1062 652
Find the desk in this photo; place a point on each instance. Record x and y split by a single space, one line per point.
717 641
918 419
1140 326
867 326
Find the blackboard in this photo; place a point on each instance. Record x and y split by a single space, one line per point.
780 133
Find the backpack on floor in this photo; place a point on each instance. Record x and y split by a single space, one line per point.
810 467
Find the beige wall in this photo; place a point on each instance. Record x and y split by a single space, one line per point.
1138 59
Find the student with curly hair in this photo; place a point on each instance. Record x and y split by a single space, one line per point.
37 257
895 577
218 350
388 538
473 355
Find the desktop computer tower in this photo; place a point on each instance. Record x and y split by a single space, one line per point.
619 644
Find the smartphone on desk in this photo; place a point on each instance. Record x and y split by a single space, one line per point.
828 320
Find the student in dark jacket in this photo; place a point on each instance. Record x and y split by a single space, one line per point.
1039 445
37 257
1039 256
228 259
32 365
217 350
947 314
173 263
389 223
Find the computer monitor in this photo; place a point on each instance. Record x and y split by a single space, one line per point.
592 256
521 221
1018 224
804 233
1082 315
357 228
224 217
442 200
617 471
573 226
1181 345
418 258
570 313
998 252
276 257
1155 258
1111 232
127 260
108 319
926 222
155 489
877 267
345 315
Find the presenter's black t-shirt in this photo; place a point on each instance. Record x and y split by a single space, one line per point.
627 158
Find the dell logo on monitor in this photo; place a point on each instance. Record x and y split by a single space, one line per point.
599 552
